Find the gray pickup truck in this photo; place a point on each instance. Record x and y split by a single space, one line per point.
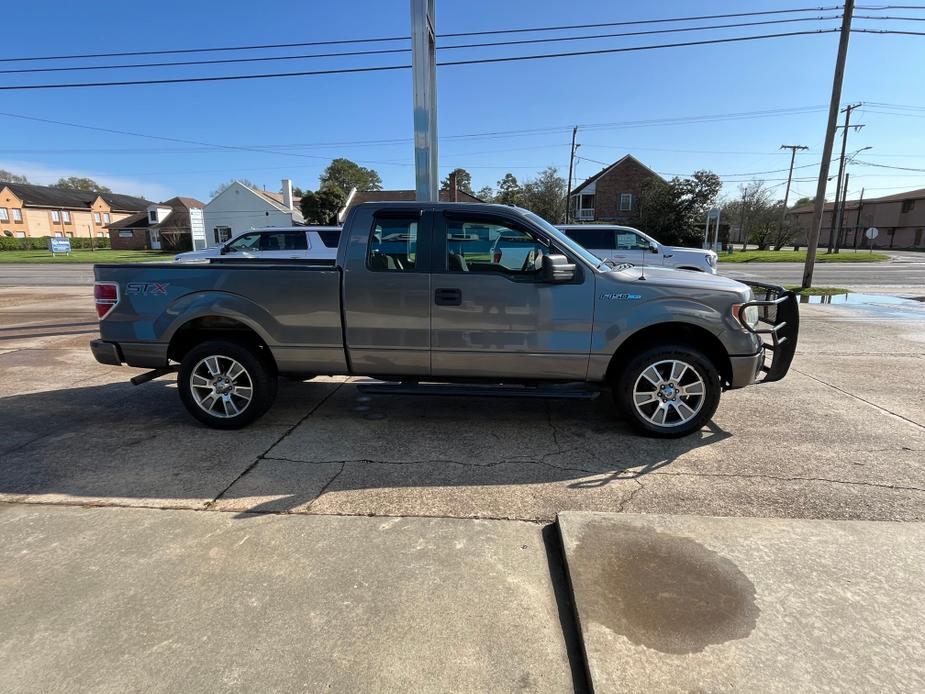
448 299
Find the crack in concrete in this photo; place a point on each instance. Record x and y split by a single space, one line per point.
632 495
790 479
321 492
858 397
263 455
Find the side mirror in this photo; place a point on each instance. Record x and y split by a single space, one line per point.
653 248
223 250
557 268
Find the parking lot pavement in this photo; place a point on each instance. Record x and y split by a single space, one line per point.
841 437
683 603
116 600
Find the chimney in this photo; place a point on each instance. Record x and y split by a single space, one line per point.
454 191
287 193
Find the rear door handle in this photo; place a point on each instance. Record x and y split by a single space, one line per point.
448 297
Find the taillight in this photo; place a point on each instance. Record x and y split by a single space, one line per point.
107 296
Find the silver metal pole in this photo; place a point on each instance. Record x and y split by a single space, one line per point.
424 77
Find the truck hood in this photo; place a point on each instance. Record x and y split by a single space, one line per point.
693 251
668 277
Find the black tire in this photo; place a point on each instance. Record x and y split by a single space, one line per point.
672 399
257 371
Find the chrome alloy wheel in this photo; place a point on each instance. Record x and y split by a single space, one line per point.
669 393
221 386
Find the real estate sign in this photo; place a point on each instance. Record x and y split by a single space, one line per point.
59 244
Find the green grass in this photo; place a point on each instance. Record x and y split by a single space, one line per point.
800 257
817 291
85 256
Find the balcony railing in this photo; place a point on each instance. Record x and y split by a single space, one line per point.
585 214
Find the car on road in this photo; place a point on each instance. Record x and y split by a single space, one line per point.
291 243
629 245
417 298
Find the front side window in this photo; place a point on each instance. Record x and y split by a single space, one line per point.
626 202
393 245
631 241
479 246
284 241
248 242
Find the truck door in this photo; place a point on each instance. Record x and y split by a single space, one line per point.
387 296
492 314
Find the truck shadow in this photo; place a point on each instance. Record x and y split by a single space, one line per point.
120 444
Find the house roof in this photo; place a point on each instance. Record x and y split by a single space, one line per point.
46 196
276 199
917 194
606 169
177 220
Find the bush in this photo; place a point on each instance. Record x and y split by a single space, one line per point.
40 243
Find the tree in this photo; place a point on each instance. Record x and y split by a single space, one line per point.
346 174
485 194
463 181
509 191
79 183
322 206
222 187
757 213
10 177
674 211
544 194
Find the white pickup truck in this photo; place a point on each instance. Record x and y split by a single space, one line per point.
273 243
628 245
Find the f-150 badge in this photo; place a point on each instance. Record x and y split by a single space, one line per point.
621 297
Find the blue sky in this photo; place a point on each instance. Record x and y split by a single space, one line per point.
300 116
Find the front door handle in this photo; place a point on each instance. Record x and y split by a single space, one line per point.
448 297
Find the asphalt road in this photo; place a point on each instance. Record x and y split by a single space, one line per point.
902 275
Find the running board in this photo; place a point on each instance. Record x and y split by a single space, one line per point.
479 391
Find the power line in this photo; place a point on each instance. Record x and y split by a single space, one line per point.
385 51
383 68
304 44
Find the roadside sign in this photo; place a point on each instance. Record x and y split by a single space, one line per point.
59 244
713 213
872 233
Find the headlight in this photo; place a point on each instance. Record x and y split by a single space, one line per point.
747 317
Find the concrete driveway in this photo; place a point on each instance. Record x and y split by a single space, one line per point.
842 437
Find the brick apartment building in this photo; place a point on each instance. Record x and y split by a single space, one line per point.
30 211
899 218
612 194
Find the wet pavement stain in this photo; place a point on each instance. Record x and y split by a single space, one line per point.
661 591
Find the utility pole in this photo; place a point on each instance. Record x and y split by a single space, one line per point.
424 82
841 214
839 193
816 225
857 221
742 219
571 165
783 213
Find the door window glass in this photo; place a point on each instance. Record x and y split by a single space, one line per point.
284 241
592 238
393 245
631 241
489 247
248 242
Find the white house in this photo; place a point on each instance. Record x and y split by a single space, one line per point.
240 208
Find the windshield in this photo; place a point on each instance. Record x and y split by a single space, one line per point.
564 240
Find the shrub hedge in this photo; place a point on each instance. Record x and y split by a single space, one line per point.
40 243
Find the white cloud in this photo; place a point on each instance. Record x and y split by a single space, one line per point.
46 175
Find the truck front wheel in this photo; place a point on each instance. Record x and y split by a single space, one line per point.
226 385
668 391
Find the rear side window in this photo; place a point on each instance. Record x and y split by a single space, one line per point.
592 238
393 245
284 241
330 237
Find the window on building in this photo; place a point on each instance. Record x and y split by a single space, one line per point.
105 218
7 232
908 205
4 214
221 234
152 216
55 216
66 216
70 234
393 245
58 234
626 202
20 234
96 217
17 216
126 233
102 235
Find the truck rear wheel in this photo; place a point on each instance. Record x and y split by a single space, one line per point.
226 385
668 391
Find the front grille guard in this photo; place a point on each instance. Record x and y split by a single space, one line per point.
778 310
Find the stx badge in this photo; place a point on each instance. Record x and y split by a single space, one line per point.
146 288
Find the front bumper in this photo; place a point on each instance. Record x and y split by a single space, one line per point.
747 369
779 311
